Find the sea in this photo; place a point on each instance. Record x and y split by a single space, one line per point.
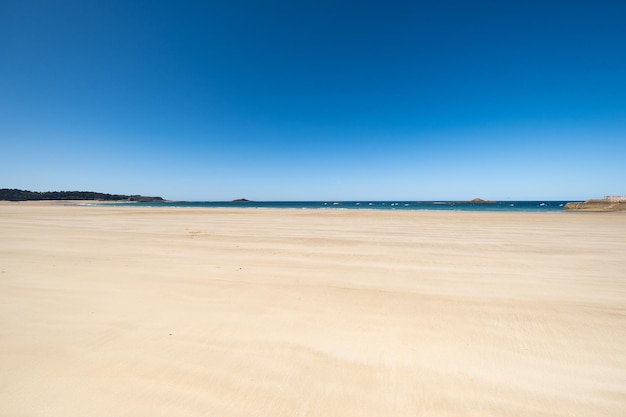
500 206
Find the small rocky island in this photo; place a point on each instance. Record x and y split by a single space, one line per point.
608 203
241 200
481 201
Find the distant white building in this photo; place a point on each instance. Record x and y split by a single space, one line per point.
616 198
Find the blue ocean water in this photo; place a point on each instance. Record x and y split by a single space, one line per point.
501 206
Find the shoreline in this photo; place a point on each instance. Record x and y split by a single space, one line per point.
509 206
220 209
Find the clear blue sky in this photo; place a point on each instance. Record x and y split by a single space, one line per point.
315 100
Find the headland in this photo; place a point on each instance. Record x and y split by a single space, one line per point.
8 194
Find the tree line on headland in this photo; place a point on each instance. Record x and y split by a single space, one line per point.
8 194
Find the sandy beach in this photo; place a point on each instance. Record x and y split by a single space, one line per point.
109 311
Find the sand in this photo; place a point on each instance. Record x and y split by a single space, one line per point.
108 311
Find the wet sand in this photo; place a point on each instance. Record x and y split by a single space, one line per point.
108 311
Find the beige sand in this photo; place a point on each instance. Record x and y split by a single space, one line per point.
176 312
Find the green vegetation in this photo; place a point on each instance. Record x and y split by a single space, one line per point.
23 195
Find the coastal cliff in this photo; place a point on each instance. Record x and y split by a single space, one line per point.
610 203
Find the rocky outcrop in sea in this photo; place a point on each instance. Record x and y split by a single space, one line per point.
609 203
